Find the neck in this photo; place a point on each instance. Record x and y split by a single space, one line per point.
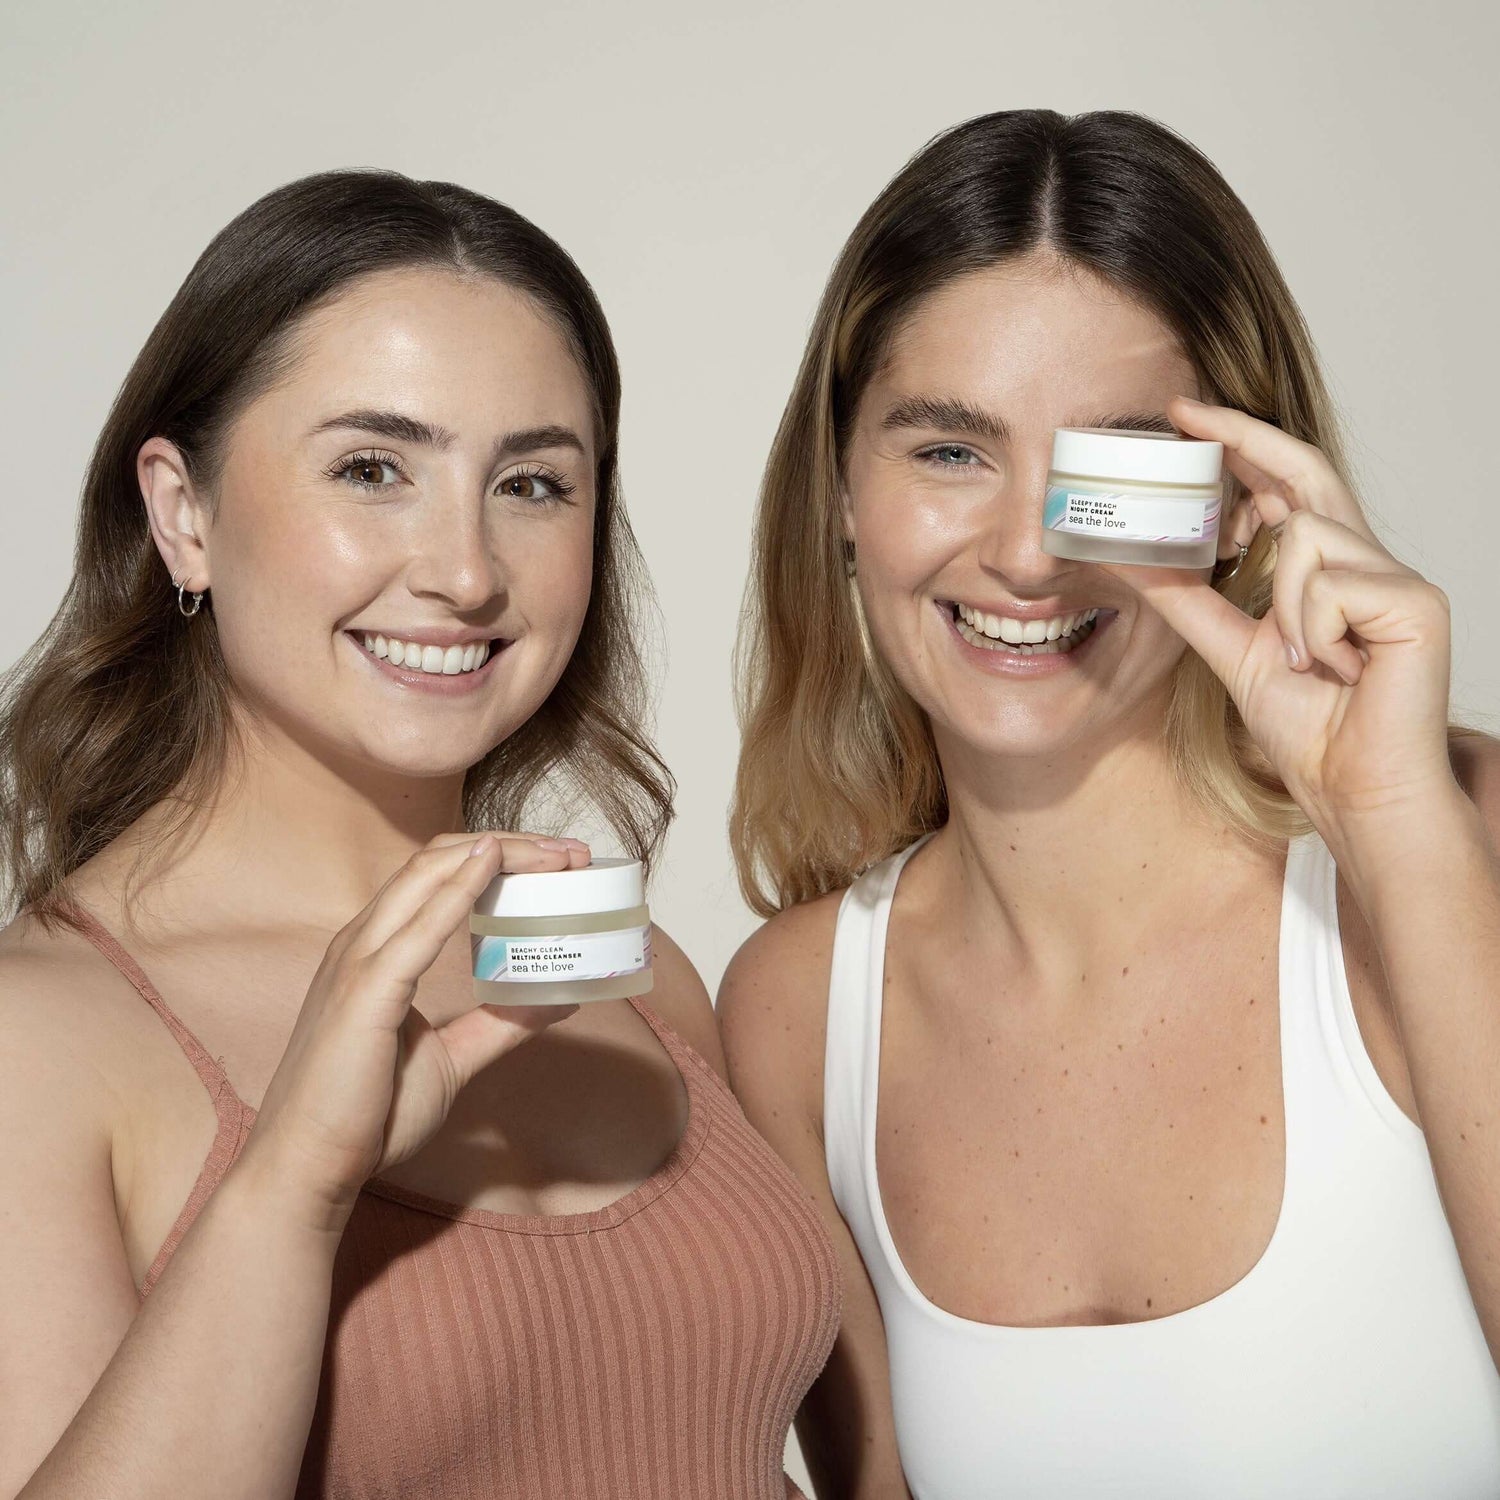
1067 855
291 837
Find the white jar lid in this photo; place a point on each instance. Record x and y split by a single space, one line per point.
604 885
1121 453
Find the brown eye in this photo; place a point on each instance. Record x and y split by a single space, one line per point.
368 471
534 486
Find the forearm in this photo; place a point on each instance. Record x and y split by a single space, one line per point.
1431 892
213 1388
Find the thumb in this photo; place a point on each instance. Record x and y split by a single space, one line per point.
1218 630
485 1034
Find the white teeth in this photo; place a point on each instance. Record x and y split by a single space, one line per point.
438 660
1060 634
1029 632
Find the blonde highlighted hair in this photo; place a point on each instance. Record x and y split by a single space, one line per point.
837 767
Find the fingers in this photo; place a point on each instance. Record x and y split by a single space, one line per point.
432 893
378 919
1380 609
545 840
485 1034
1307 545
1282 473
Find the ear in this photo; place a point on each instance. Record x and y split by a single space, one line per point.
846 513
1240 523
174 512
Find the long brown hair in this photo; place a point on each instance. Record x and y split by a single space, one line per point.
837 768
123 704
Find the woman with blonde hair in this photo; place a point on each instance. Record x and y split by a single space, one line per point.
286 1211
1129 997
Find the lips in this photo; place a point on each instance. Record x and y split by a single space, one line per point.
445 684
1024 658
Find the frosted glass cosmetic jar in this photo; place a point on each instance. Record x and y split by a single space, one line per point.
1115 495
562 937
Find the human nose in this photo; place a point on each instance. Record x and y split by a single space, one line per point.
454 553
1010 545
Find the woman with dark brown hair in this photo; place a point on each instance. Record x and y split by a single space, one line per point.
1130 998
375 436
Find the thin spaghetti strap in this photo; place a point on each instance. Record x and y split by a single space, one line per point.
215 1080
677 1046
234 1116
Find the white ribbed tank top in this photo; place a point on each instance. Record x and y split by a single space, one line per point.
1348 1361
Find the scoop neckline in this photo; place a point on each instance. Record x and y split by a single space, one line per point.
583 1221
1296 849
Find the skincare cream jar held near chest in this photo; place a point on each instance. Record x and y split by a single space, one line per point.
561 937
1115 495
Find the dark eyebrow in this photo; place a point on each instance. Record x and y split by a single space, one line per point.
947 414
529 439
389 424
399 428
1138 421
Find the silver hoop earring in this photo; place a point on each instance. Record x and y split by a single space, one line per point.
1225 577
197 600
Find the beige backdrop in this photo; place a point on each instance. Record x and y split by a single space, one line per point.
704 164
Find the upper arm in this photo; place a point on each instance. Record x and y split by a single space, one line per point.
1476 766
773 1016
679 997
66 1294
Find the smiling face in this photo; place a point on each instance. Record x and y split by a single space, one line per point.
423 473
944 481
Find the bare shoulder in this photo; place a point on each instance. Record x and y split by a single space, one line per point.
60 1086
679 996
66 1291
772 1006
59 1030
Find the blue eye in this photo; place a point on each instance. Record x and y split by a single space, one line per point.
950 456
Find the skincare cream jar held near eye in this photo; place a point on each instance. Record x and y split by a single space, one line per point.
561 937
1115 495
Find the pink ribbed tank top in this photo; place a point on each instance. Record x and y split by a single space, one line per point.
658 1347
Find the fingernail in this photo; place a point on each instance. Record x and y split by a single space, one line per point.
575 843
483 844
557 845
1291 655
1191 401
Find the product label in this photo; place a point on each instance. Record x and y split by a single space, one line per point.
1134 518
588 955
